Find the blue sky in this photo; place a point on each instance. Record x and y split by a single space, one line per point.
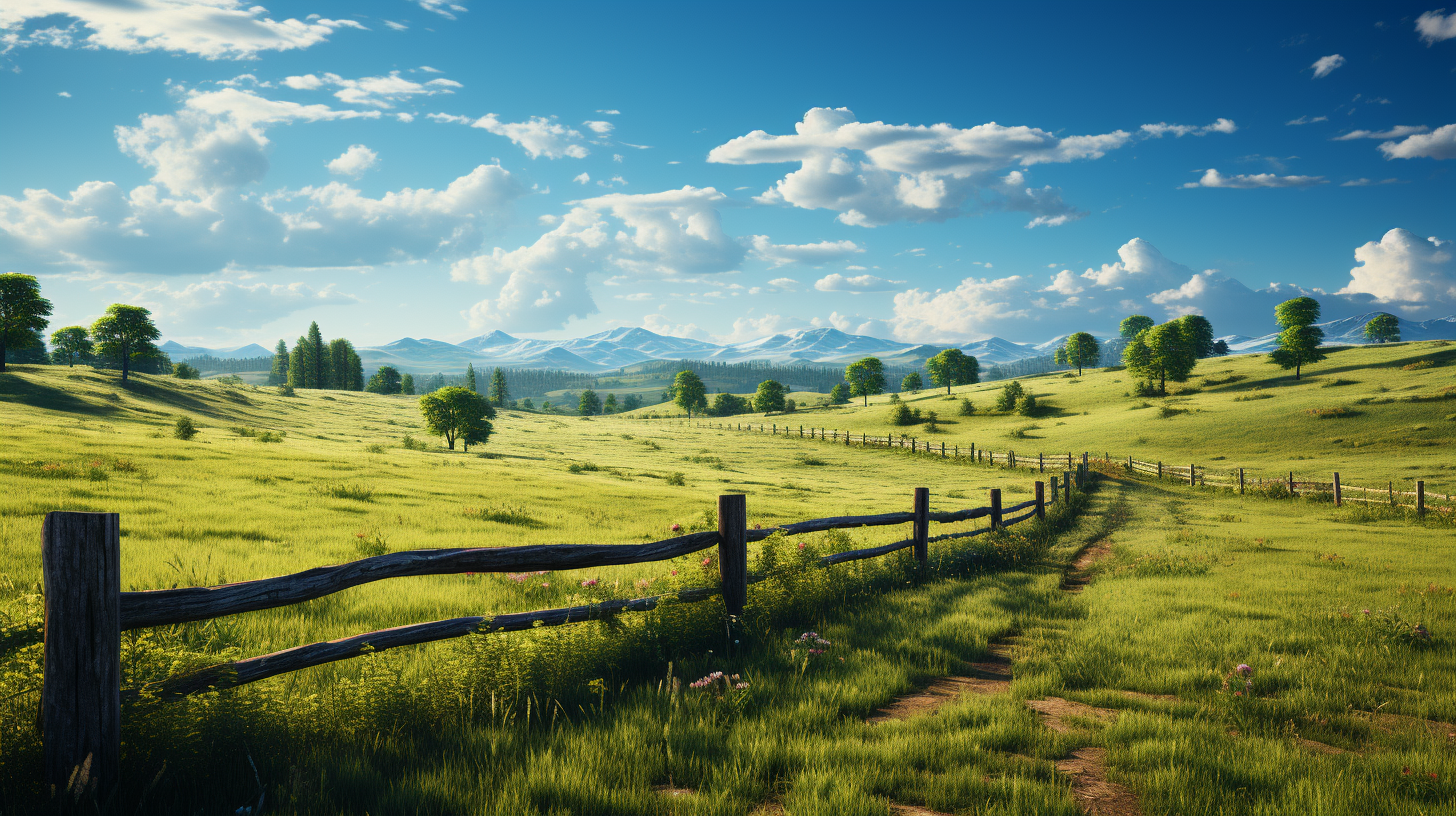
927 172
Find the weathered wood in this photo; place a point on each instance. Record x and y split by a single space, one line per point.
947 517
1420 498
921 525
1337 488
1160 471
996 508
869 552
1241 481
733 550
1193 475
81 690
1041 500
162 607
1040 463
1054 490
1291 484
1067 485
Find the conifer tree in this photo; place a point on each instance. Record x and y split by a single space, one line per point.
279 373
318 357
498 391
470 377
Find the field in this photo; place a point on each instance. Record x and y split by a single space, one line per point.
1345 711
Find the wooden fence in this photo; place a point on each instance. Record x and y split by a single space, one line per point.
1232 478
86 611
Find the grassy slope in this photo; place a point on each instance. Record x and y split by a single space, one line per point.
1387 436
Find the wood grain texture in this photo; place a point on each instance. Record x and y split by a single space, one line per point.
733 551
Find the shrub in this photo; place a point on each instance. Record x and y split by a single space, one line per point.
789 406
410 443
894 399
1141 405
1420 365
270 436
1026 405
1336 383
1010 393
1168 412
581 467
1330 413
1144 388
286 390
340 490
504 514
1209 382
967 408
185 371
1023 432
1255 394
370 543
812 461
900 414
930 419
676 479
184 429
374 448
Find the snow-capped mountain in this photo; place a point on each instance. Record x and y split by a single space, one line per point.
178 352
1351 331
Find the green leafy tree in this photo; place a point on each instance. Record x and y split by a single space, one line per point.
1299 341
73 345
1010 393
125 334
688 392
632 402
320 360
911 382
1134 325
457 413
1160 353
866 378
590 404
839 394
609 405
968 408
1383 328
528 404
1081 350
1198 334
726 404
184 429
470 377
185 371
278 374
769 397
499 394
23 313
1059 356
407 384
385 381
1220 348
953 367
900 414
1026 404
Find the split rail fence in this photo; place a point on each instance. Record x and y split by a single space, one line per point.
86 611
1232 478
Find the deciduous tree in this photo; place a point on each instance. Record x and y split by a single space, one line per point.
457 413
1198 334
1081 350
953 367
911 382
385 381
185 371
125 334
769 397
866 378
23 313
1161 353
688 392
1133 325
1383 328
73 345
609 405
1299 341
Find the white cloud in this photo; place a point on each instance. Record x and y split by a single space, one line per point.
764 249
442 7
582 178
538 136
1397 132
872 173
752 328
1365 182
213 306
599 127
856 324
354 161
1161 129
1213 178
637 296
1438 144
658 324
835 282
375 91
215 29
1404 268
787 284
1324 66
396 26
1307 120
1065 282
1435 27
66 94
405 117
610 112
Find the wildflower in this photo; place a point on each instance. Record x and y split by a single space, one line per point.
674 572
707 561
1405 771
545 584
1245 669
1364 611
757 527
590 582
1433 775
1238 694
801 546
1421 632
644 583
675 527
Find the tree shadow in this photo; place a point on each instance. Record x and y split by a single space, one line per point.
16 388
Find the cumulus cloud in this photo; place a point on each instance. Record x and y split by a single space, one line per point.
215 29
1324 66
764 249
1162 129
786 284
354 161
835 282
1397 132
1406 269
375 91
599 127
753 328
214 306
1438 144
1213 178
538 136
872 173
658 324
1435 27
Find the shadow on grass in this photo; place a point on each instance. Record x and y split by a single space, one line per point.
17 388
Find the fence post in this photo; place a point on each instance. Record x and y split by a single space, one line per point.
81 693
996 508
1391 487
847 440
801 431
1011 459
1291 484
1160 471
1192 475
1041 463
733 550
1241 481
973 453
1067 485
942 450
921 525
1337 488
1420 498
1129 463
1040 500
1054 490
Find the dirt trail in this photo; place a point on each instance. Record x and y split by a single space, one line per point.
990 675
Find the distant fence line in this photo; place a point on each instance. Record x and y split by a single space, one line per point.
86 611
1232 478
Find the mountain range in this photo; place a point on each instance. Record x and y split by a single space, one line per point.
625 346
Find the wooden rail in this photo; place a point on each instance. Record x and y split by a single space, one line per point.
86 611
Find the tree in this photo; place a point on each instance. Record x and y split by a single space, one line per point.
125 333
1299 342
457 413
300 364
1059 356
590 404
866 378
527 404
769 397
1383 328
911 382
1220 348
1134 325
498 391
470 377
726 404
1198 334
355 380
185 371
1160 353
632 402
385 381
1081 350
23 313
339 351
688 392
407 384
953 367
839 394
278 375
73 345
1010 393
320 361
609 405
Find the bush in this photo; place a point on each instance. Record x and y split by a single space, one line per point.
184 429
894 399
789 406
1336 383
900 414
1168 412
1144 388
410 443
581 467
375 448
1010 393
1026 405
930 418
286 390
1420 365
185 371
1330 413
967 408
340 490
370 543
676 479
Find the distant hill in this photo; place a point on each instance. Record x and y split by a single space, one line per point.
1351 331
177 351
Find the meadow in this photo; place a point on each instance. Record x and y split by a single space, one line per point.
1344 711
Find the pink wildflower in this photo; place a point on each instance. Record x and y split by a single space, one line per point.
675 527
707 561
590 582
545 584
1245 669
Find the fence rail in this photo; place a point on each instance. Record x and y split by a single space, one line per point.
86 611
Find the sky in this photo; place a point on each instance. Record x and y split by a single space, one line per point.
924 172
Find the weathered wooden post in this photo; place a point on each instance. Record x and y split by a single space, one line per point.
973 453
1337 488
942 450
1129 463
1041 463
733 550
1040 500
1241 481
801 431
1193 475
80 557
1391 487
1054 490
1160 471
1291 484
996 508
1067 485
1011 459
847 439
921 526
1420 498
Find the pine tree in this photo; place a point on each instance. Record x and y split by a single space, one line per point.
498 391
300 364
279 373
356 371
319 361
470 377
